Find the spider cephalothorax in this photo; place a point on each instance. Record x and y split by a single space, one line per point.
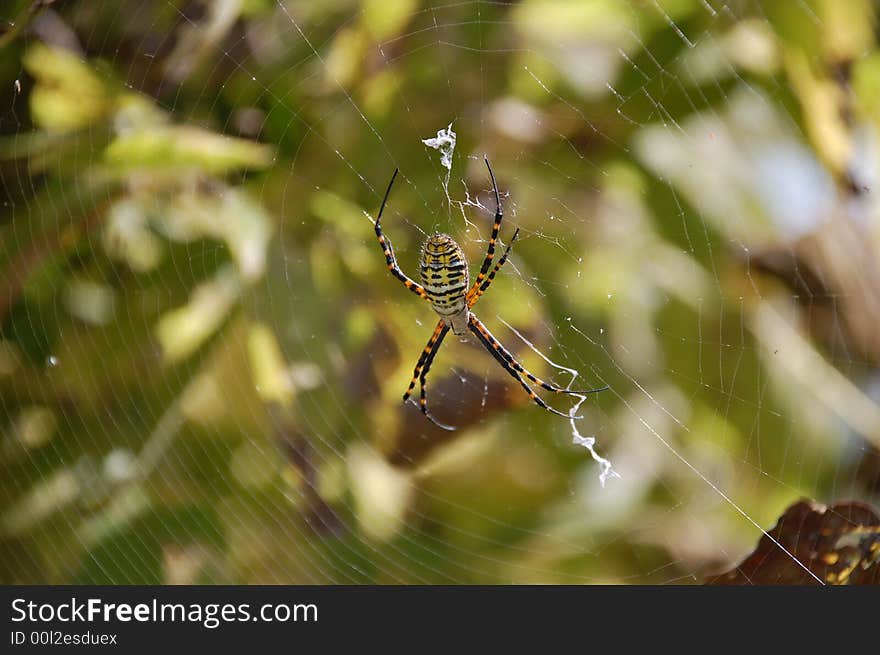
444 274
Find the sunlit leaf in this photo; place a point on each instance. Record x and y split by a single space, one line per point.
269 368
68 94
182 331
184 147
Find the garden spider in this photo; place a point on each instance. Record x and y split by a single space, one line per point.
444 275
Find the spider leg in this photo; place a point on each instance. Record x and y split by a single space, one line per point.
423 402
421 372
388 251
475 293
432 343
510 359
490 251
494 347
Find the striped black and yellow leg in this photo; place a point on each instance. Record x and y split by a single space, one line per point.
420 372
491 344
433 344
496 227
475 292
423 401
388 251
509 358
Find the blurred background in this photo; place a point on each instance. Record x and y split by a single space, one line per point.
203 354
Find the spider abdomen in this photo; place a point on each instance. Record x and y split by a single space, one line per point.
444 275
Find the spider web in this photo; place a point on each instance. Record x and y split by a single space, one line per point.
203 353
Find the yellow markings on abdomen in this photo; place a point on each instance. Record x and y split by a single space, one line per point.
444 274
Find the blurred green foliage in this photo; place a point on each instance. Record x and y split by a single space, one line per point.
202 352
